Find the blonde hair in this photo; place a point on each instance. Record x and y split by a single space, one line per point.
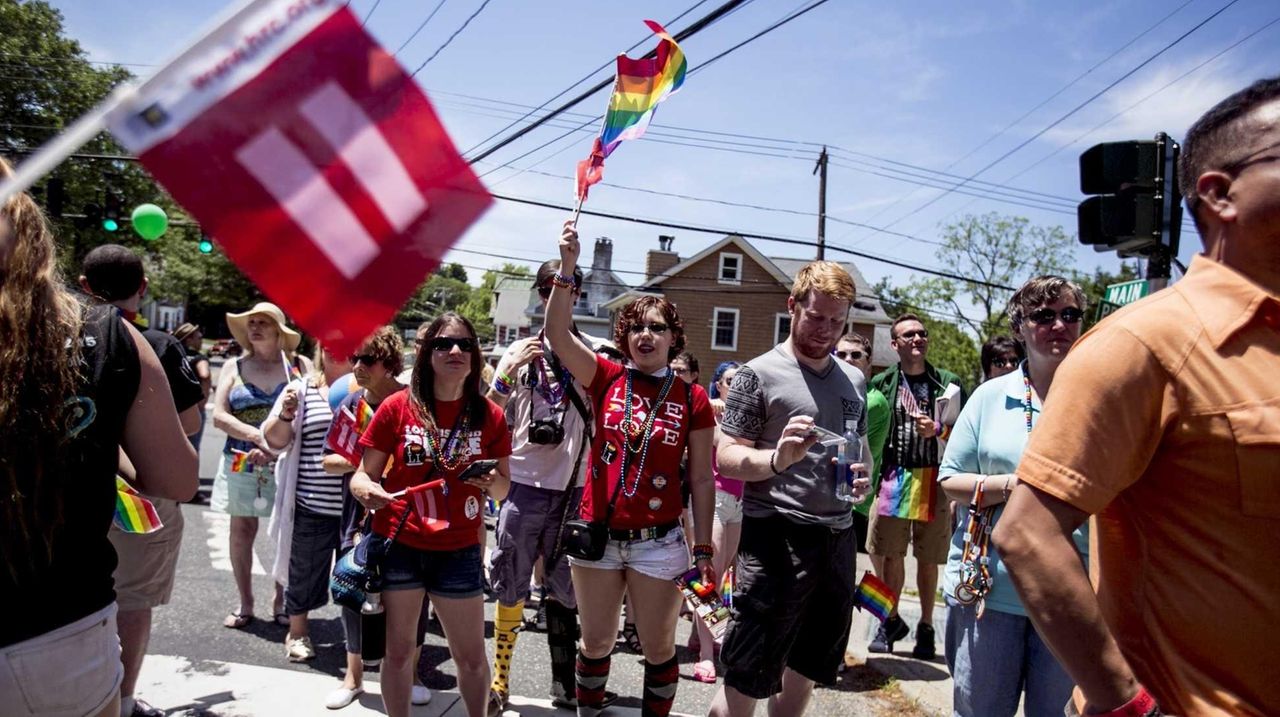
824 277
39 355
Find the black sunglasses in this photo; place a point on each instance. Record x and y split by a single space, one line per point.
444 344
849 355
1046 316
367 359
922 333
656 327
1004 362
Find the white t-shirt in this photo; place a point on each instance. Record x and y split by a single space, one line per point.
542 465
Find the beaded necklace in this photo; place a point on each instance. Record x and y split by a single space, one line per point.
553 394
975 568
633 430
452 456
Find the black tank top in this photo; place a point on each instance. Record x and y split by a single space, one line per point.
77 580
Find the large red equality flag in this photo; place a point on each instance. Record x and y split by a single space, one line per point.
312 158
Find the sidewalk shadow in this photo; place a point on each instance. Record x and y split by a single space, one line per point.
201 706
910 670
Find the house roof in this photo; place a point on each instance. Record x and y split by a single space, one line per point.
792 266
783 279
513 283
882 354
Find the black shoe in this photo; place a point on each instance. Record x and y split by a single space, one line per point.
924 649
570 701
143 709
540 617
891 630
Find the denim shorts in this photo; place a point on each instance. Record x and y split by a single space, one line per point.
728 508
446 573
71 671
664 558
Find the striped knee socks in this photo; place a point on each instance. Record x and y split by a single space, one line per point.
593 674
659 688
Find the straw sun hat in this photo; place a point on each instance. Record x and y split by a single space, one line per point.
239 325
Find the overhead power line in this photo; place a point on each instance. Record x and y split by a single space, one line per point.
420 27
457 32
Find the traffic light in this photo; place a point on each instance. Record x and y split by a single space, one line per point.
1138 211
55 191
206 246
113 206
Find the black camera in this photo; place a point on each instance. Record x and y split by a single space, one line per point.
546 432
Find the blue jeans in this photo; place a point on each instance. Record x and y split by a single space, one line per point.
995 659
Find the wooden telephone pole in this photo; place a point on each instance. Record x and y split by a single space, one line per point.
821 170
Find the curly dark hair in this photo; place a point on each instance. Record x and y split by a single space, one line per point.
633 314
387 345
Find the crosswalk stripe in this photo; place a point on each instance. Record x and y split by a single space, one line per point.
218 527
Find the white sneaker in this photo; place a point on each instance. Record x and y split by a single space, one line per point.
342 697
419 695
299 649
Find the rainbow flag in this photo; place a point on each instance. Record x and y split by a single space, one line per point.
134 514
907 492
726 587
874 596
290 369
240 462
364 414
639 87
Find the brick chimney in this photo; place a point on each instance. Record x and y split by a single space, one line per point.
602 259
656 262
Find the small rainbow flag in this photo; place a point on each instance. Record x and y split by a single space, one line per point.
364 414
726 587
239 461
639 87
134 514
290 369
874 596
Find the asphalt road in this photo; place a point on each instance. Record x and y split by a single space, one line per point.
191 626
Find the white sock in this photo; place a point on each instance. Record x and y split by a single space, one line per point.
126 706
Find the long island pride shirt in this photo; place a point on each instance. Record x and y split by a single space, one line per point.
655 498
453 512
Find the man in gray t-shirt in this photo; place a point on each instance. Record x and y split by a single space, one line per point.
793 601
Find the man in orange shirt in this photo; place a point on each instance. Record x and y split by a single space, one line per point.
1165 426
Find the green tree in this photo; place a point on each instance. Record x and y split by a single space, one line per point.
950 346
1095 286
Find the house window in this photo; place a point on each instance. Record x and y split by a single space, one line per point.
781 327
724 329
730 268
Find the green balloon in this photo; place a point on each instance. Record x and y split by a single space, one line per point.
149 221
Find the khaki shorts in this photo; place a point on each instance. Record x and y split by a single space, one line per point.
144 576
931 541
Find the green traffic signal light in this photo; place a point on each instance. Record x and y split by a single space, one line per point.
110 224
206 246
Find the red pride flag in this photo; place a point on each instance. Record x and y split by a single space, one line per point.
312 157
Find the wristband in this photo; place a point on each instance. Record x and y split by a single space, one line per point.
703 551
503 377
502 383
1142 705
287 418
564 282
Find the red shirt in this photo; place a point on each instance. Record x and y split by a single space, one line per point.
656 498
447 516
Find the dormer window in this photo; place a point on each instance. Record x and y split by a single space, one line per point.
730 269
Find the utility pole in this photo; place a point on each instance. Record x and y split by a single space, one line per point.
821 170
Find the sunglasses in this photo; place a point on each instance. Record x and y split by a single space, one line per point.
656 327
366 359
680 371
921 333
444 344
1004 363
1046 316
849 355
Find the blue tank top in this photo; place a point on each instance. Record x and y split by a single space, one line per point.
250 405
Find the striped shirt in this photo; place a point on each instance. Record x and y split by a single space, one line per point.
317 491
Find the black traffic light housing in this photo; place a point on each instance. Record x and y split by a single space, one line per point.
112 210
1138 210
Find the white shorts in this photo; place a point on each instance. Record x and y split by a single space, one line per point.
72 671
664 558
728 508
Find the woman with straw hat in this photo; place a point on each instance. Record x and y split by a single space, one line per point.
247 389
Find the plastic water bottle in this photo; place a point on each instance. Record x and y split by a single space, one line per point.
850 452
373 630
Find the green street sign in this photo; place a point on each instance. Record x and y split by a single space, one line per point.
1127 292
1105 309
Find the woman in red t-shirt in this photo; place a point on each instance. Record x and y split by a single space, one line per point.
645 419
432 432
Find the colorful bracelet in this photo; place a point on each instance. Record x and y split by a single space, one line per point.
564 282
1142 705
503 384
703 551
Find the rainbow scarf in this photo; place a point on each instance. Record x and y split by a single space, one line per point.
639 87
907 492
134 514
874 596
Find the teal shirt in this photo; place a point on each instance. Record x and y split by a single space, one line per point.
988 439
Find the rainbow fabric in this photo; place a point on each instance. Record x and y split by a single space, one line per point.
726 587
907 492
239 462
874 596
134 514
639 87
290 369
364 414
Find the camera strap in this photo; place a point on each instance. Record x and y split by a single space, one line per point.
567 503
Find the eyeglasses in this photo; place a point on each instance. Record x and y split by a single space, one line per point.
657 327
849 355
444 344
366 359
1004 362
1046 316
680 371
919 333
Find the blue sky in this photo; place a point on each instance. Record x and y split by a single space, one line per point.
923 84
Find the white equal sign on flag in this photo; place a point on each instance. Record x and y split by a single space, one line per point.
307 152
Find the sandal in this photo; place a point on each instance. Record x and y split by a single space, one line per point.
497 703
631 637
237 620
705 671
282 618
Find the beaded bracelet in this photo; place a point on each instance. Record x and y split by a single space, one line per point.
703 551
564 282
